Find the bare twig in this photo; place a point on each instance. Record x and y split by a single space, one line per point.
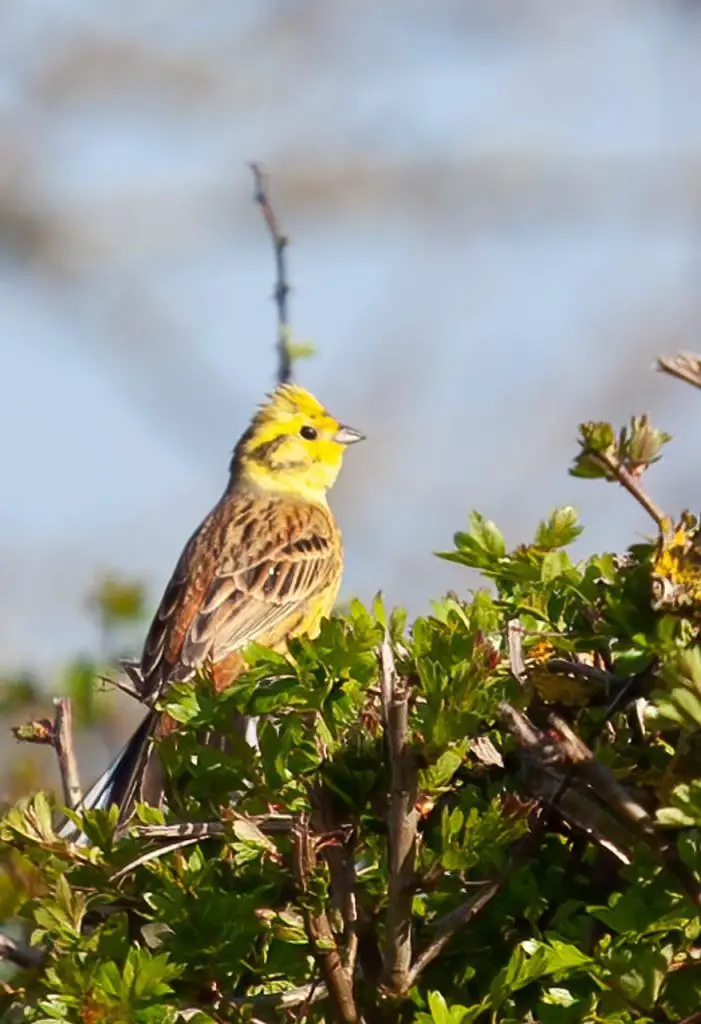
65 752
320 933
514 635
351 914
159 851
684 366
340 857
514 638
268 824
286 1000
608 789
448 926
632 484
133 685
282 289
20 954
403 820
388 676
568 751
519 725
549 774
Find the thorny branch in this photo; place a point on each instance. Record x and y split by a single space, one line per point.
549 776
567 751
320 933
449 925
339 854
630 483
446 927
403 820
282 288
604 784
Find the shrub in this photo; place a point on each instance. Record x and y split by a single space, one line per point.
492 815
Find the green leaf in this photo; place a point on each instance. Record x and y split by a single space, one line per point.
555 563
487 535
559 530
532 960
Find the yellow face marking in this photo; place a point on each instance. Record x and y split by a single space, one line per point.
294 445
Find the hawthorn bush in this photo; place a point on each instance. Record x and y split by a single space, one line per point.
493 814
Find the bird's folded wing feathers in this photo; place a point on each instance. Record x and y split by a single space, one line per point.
263 572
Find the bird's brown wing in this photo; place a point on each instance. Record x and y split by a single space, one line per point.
249 573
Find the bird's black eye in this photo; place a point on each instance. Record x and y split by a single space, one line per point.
308 433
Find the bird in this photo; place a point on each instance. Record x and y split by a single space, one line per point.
264 565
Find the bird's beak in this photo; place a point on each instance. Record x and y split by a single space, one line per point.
347 435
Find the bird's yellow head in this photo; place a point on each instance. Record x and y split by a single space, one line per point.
293 446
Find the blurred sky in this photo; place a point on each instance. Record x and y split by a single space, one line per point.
494 211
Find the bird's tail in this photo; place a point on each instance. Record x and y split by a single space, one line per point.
120 782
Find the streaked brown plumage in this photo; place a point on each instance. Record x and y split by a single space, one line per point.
264 565
259 567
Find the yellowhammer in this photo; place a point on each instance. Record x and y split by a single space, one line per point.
265 565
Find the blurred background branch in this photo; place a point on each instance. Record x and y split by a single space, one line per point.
478 222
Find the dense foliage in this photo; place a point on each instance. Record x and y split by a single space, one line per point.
493 814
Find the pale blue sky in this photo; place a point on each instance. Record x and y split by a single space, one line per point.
497 233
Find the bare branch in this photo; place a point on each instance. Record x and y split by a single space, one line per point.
65 752
605 785
448 926
268 824
286 1000
340 857
402 821
282 289
181 835
351 916
568 751
549 774
519 725
320 933
158 852
684 366
388 676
